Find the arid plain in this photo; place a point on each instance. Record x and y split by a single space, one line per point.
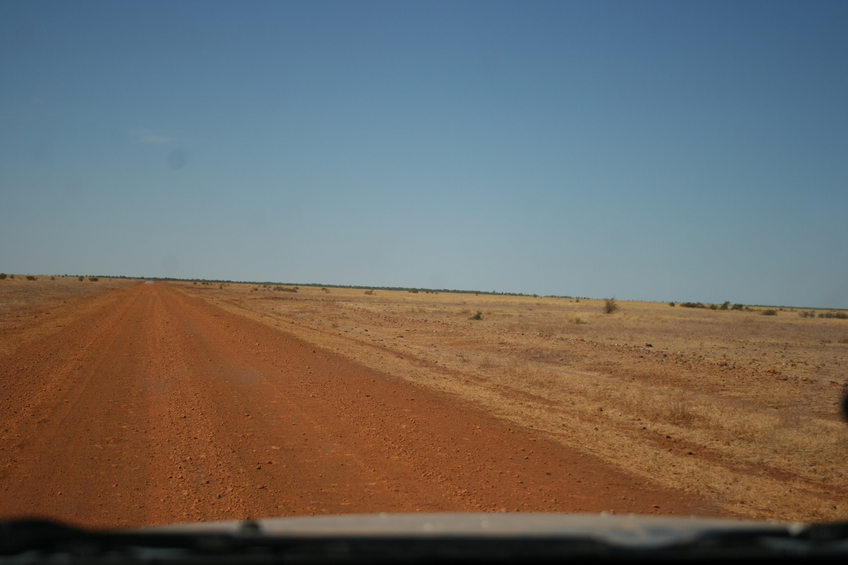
178 401
735 406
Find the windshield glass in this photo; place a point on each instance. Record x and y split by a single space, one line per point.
309 258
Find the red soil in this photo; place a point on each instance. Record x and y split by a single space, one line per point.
156 407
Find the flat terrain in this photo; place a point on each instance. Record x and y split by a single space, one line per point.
124 403
735 407
132 404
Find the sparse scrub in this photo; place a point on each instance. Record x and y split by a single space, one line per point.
679 413
610 305
81 278
837 315
737 307
672 304
769 312
31 278
725 305
93 279
578 320
369 292
2 276
477 316
692 305
285 289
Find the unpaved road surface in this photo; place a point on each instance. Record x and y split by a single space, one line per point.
158 407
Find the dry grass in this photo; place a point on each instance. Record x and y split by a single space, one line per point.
737 407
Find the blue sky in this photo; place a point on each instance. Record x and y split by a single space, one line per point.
646 150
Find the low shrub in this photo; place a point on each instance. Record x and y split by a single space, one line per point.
284 289
692 305
93 279
837 315
477 316
2 276
769 312
610 305
31 278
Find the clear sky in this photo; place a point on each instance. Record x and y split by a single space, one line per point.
647 150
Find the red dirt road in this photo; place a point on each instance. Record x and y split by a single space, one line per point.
157 408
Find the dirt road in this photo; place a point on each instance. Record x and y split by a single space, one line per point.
157 407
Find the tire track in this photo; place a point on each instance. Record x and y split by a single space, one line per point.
162 408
